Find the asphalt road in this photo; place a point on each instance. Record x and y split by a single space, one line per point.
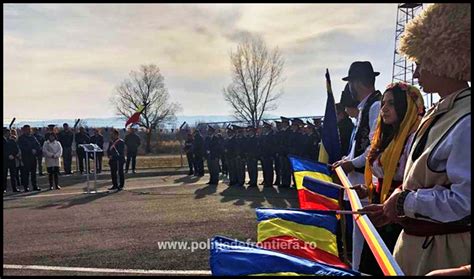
120 230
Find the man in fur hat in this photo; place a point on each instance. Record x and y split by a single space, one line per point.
433 205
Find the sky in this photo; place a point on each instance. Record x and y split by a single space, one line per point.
65 60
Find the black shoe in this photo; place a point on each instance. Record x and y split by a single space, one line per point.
134 171
126 171
58 187
16 190
27 189
120 189
36 189
41 174
4 191
51 188
112 188
190 173
208 182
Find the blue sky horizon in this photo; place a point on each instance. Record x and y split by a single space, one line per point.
65 60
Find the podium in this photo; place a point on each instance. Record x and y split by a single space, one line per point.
91 148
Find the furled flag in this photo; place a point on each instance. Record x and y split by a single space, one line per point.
135 118
330 148
300 233
235 258
314 194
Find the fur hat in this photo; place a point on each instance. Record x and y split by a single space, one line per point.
439 39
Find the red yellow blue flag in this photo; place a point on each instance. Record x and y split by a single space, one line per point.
236 258
301 233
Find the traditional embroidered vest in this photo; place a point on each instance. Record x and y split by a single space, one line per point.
362 135
433 129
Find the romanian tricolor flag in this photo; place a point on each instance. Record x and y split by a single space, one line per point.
300 233
135 118
330 148
314 193
235 258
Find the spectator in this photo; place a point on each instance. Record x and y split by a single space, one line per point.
52 151
98 139
39 155
65 139
29 147
132 141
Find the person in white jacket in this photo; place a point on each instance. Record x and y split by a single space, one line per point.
52 151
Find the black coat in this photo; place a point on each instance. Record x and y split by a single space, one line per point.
10 148
198 146
99 140
132 141
116 153
345 128
28 143
65 138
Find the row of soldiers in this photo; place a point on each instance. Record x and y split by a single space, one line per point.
240 148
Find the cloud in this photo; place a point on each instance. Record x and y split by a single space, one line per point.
83 51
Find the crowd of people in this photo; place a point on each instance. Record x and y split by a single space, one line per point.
23 155
410 167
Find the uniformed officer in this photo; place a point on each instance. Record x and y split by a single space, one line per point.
188 149
10 152
116 155
213 155
276 152
267 140
98 139
240 156
132 142
252 153
29 148
198 149
313 143
66 138
50 130
39 155
229 147
82 138
284 136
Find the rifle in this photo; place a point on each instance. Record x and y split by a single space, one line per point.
11 123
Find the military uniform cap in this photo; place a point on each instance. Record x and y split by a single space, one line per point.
297 121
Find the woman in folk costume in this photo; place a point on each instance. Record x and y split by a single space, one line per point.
400 114
433 205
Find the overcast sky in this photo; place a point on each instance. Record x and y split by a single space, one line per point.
64 61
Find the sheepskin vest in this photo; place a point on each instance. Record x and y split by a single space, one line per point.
433 129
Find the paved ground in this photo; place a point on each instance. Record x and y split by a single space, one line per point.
120 230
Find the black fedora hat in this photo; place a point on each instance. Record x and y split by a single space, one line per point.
360 69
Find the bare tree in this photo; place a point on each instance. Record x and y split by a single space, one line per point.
146 87
256 72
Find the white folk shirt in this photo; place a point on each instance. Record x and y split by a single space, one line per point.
454 155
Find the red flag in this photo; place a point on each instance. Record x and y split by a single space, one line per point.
135 118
